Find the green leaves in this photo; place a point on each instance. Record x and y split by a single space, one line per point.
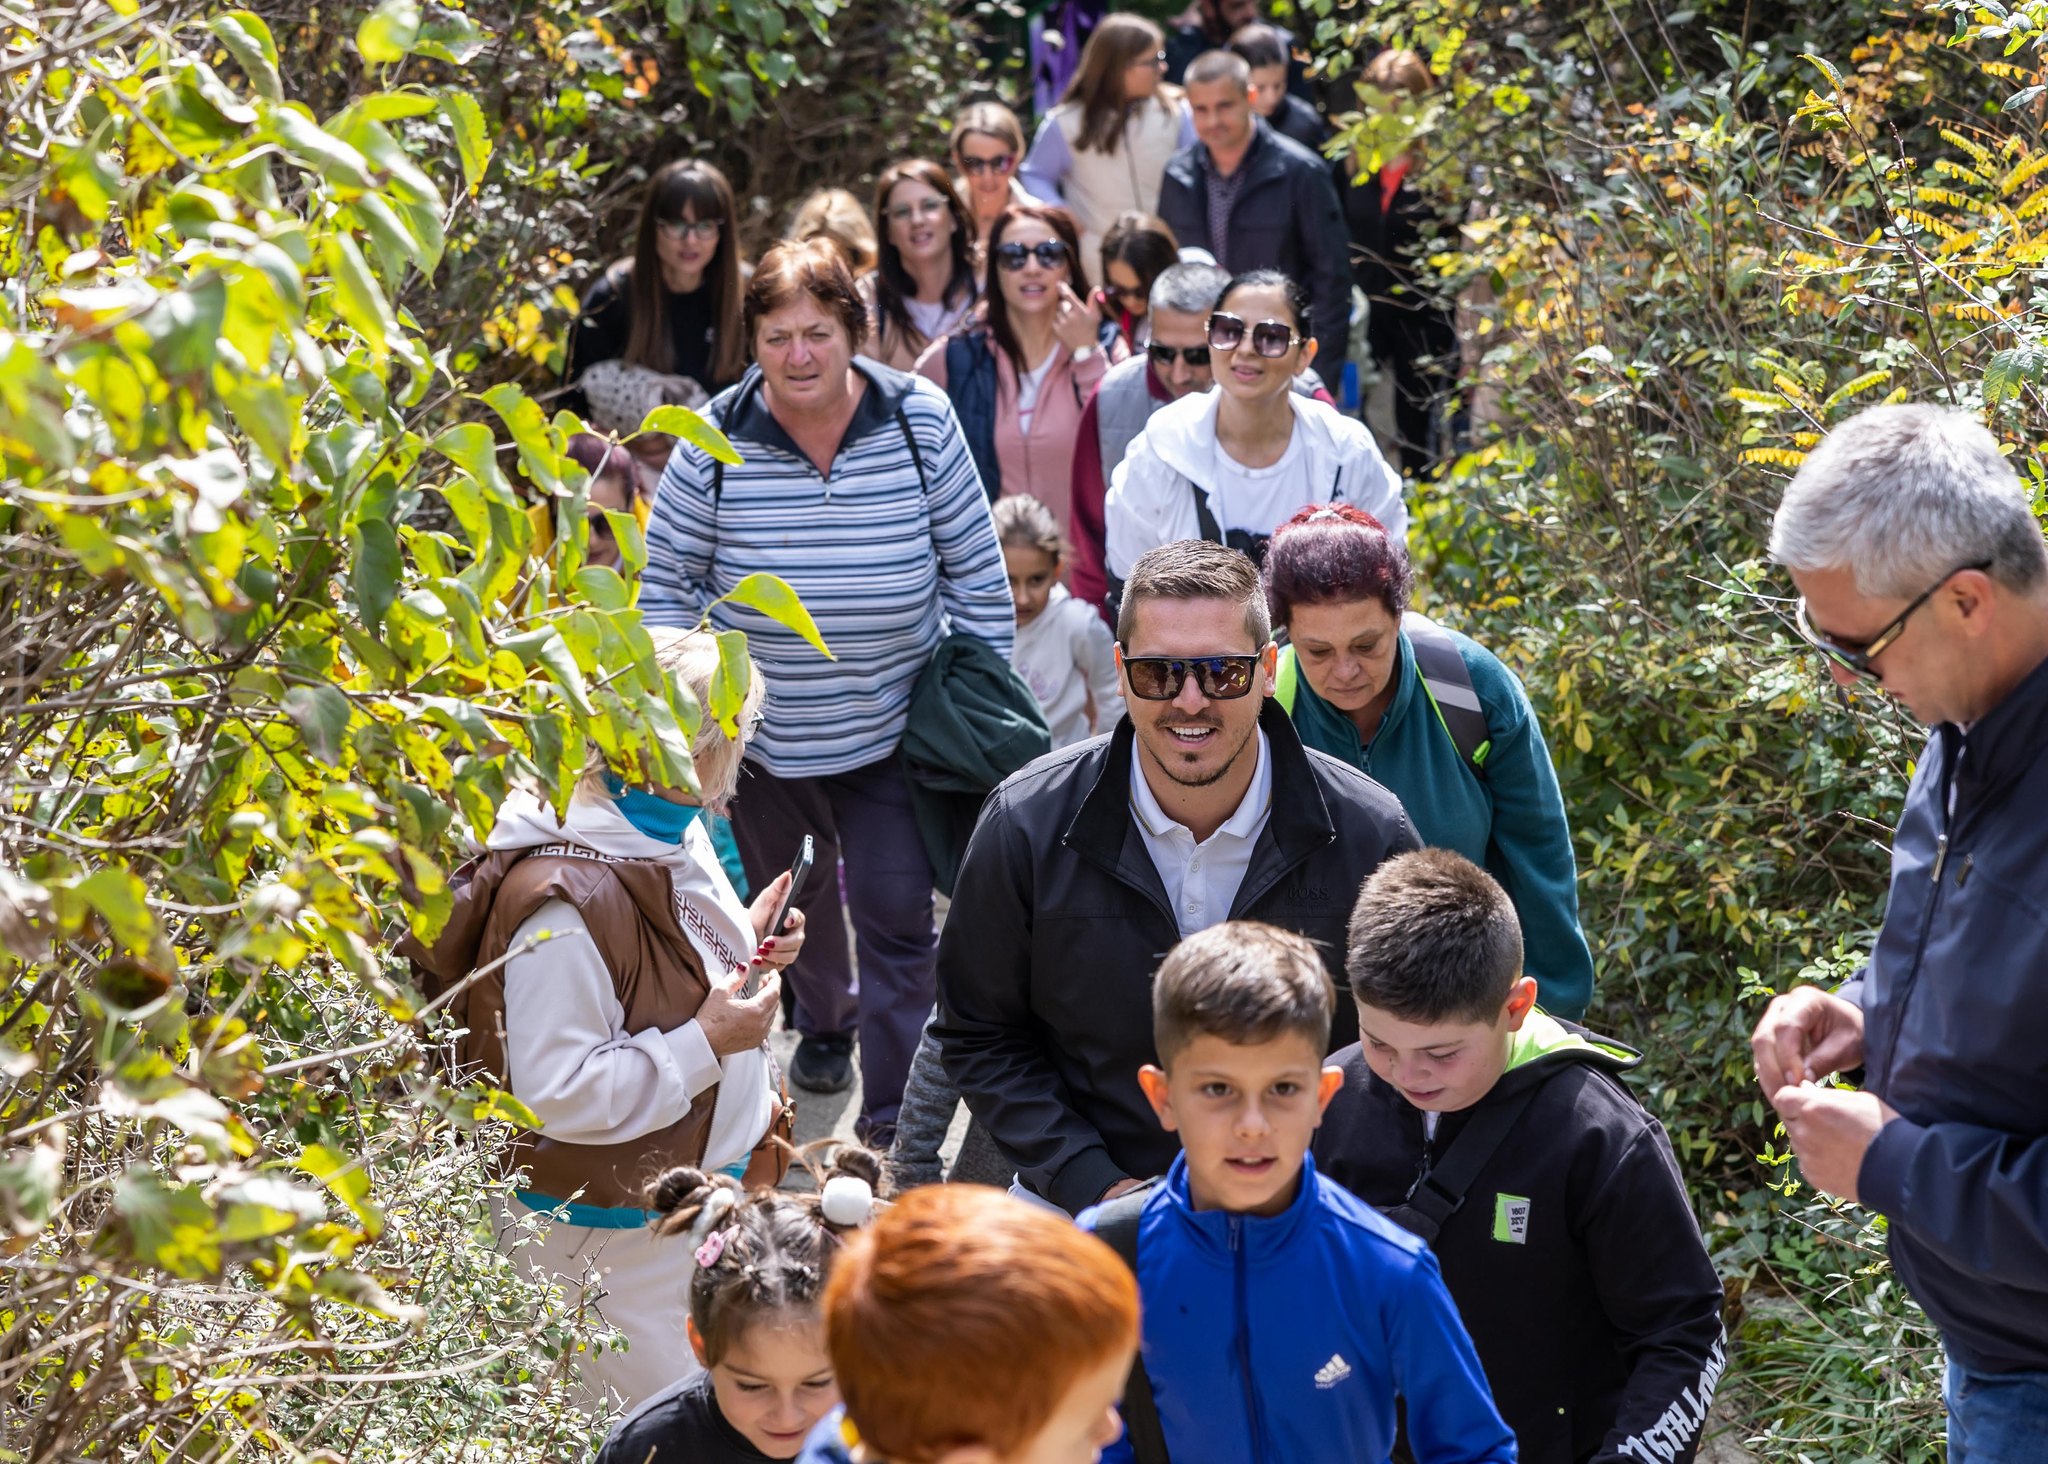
771 596
355 296
694 429
466 121
322 713
387 34
248 40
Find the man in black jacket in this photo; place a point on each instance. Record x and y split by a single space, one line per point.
1090 864
1257 200
1921 569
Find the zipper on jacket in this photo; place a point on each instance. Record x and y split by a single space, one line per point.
1254 1418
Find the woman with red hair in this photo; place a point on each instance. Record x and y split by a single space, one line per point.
1435 718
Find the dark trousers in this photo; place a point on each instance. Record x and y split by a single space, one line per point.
1417 347
865 816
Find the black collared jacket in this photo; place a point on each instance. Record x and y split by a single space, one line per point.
1060 918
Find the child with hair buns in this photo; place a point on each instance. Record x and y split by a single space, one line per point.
760 1261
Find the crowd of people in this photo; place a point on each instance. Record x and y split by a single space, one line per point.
1263 975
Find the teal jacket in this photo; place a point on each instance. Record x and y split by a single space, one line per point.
1512 821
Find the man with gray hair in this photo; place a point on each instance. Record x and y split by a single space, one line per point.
1922 569
1175 364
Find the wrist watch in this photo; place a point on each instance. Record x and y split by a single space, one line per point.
1086 351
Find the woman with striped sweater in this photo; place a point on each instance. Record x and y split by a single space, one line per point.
856 487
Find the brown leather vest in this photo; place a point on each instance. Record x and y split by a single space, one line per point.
630 908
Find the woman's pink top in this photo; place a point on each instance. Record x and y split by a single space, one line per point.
1040 462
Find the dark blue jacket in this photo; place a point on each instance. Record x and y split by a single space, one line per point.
1286 1339
1950 999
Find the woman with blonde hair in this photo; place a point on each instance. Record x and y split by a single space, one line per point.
988 149
628 997
1104 149
835 214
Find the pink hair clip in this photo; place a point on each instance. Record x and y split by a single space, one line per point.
709 1252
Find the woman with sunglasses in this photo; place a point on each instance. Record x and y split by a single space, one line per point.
1104 149
924 281
988 148
1136 250
664 324
1020 377
1432 716
1234 464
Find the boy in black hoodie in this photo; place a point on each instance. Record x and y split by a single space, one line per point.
1507 1139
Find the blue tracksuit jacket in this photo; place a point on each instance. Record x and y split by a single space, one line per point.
1286 1340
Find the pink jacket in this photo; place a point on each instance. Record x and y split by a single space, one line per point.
1041 462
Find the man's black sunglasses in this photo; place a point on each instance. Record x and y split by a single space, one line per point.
1218 678
1051 253
1163 355
1856 659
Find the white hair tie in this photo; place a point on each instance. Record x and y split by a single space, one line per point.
847 1200
715 1209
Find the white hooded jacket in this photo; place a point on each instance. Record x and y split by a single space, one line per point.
572 1061
1151 497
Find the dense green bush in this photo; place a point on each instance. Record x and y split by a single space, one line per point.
253 708
1701 237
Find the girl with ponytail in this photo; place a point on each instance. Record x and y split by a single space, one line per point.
758 1265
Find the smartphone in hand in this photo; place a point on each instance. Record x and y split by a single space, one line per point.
799 871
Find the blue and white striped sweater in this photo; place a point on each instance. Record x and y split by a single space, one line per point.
884 567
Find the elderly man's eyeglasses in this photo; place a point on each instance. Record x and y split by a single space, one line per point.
1219 678
1163 356
702 230
1854 656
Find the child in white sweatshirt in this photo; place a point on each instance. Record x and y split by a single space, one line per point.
1063 650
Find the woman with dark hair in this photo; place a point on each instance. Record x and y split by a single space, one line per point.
924 282
1020 378
988 149
1104 149
663 325
855 487
614 488
1136 250
1433 716
1231 465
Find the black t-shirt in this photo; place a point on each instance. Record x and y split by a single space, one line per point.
601 331
683 1427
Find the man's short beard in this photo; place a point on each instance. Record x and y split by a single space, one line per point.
1215 777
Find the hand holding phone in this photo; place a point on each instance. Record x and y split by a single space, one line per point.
799 871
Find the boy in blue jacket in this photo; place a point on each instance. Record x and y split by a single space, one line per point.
1283 1318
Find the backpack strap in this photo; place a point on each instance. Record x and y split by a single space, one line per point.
1439 1191
1206 526
724 420
1116 1224
1287 680
910 441
1447 682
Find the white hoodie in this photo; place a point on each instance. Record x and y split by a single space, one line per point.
572 1061
1151 495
